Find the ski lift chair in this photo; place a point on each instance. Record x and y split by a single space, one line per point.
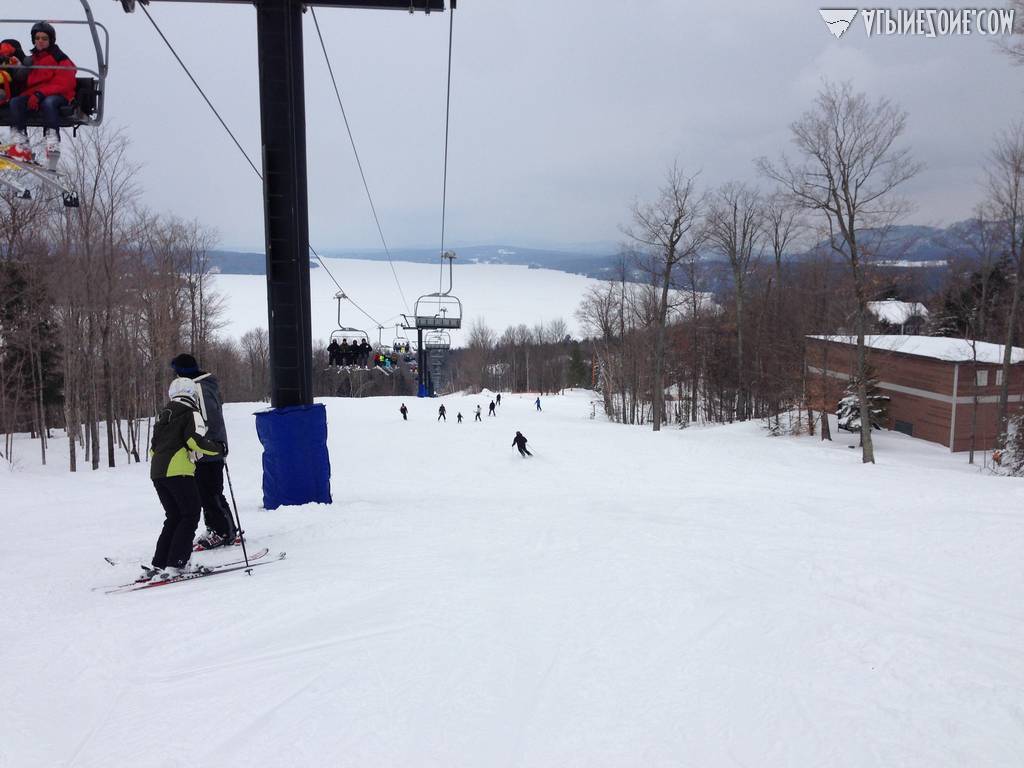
438 340
87 106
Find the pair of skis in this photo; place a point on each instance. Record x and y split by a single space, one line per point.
255 559
12 168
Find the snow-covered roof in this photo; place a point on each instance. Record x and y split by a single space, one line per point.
896 312
936 347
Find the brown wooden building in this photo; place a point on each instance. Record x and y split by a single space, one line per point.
941 389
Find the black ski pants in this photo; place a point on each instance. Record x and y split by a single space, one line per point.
523 452
216 512
180 499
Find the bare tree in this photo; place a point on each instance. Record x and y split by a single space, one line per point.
1005 184
849 169
1014 48
667 231
256 349
735 227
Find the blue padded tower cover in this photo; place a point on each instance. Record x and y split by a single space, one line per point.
296 467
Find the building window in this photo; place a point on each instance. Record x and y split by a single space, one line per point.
906 427
983 378
999 377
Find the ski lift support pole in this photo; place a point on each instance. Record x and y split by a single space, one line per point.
286 213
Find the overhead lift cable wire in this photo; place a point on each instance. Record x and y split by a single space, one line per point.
201 92
246 155
447 114
355 152
371 317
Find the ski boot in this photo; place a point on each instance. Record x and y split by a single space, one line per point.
52 152
19 148
148 572
210 540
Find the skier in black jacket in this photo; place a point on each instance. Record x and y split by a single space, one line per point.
519 441
220 524
177 438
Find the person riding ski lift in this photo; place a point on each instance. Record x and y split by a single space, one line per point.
49 85
12 70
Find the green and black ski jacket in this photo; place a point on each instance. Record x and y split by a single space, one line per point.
178 432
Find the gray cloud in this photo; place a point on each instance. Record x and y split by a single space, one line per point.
562 112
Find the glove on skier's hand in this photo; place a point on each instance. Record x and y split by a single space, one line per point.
33 101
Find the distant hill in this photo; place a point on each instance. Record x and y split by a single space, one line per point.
577 262
900 247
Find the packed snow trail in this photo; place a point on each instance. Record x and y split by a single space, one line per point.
710 596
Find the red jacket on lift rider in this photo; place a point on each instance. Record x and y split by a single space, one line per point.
50 85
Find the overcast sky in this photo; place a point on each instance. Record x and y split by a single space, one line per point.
563 111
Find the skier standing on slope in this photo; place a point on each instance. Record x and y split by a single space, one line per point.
405 412
441 412
177 436
458 417
537 403
220 524
490 409
519 441
498 398
477 418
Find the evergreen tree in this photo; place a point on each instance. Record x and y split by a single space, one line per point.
577 368
848 409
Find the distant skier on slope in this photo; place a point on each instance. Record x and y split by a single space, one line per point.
490 409
458 417
497 399
477 417
519 441
441 413
537 403
177 436
405 412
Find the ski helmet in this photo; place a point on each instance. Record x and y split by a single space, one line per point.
184 390
44 26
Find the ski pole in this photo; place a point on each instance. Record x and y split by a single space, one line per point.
238 520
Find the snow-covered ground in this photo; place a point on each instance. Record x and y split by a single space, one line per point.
707 597
499 294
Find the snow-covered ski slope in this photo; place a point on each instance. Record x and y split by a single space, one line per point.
706 597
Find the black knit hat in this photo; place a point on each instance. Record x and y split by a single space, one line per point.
185 365
46 27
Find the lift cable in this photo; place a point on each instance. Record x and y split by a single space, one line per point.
201 92
371 317
355 152
246 155
447 115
